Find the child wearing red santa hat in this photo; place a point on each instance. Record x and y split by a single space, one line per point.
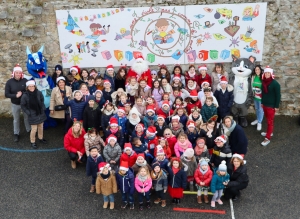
128 155
193 101
151 141
75 72
112 152
110 76
203 76
191 74
140 162
114 129
150 118
166 110
160 125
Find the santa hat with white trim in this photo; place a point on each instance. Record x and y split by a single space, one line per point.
150 108
17 68
238 156
160 116
127 146
141 125
193 94
204 82
223 80
103 165
202 67
113 121
177 76
165 103
221 138
111 137
121 109
176 118
75 68
30 82
124 166
190 123
160 150
109 67
106 82
151 130
139 58
270 70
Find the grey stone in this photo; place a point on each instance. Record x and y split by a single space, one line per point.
3 14
36 10
27 33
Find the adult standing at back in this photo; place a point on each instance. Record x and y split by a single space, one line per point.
270 101
14 89
216 75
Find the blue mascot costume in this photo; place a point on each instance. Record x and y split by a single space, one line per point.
37 67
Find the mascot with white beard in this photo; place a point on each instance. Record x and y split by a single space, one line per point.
140 69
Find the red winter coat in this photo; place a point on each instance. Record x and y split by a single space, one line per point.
161 112
130 159
190 105
146 75
206 78
167 151
73 144
206 178
172 141
187 77
152 142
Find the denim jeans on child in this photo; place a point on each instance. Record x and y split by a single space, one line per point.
142 195
259 111
217 195
110 197
130 197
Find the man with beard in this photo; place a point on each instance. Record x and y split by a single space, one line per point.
140 69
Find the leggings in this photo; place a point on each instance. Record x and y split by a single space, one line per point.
217 195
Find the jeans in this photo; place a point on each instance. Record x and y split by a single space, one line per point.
217 195
16 111
160 194
74 157
110 197
269 114
142 195
259 110
130 197
36 128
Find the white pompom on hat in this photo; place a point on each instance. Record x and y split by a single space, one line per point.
222 166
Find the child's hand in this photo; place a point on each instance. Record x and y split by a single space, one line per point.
165 191
225 183
146 151
143 191
112 161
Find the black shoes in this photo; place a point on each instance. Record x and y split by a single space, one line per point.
124 205
131 206
16 138
148 205
43 141
34 145
141 207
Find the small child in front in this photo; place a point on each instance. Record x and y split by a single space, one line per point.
143 184
159 183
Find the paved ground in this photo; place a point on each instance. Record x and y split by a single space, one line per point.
43 185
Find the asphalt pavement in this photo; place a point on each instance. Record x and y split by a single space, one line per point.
41 183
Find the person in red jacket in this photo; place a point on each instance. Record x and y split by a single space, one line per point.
171 139
74 143
140 69
165 146
203 176
190 74
203 76
193 101
165 110
129 155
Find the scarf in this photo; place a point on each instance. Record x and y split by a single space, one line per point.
175 170
134 121
156 176
231 128
203 171
139 134
265 83
150 117
142 178
77 77
166 111
34 102
195 119
113 131
106 112
141 165
105 176
183 145
176 128
191 74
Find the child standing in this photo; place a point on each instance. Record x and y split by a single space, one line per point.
99 98
143 184
218 183
203 176
208 109
190 74
116 130
154 76
112 152
121 117
182 144
99 83
110 76
193 102
204 85
180 111
165 110
208 93
176 180
125 182
164 73
106 185
157 91
107 91
140 162
139 132
192 132
151 140
120 78
92 139
196 117
166 86
192 85
216 75
91 115
159 183
160 157
150 118
91 85
189 161
201 149
77 105
165 146
160 125
92 163
140 106
108 111
203 76
143 91
84 75
128 155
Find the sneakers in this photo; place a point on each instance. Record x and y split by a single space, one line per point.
264 134
213 204
141 207
265 142
157 201
131 205
148 204
254 122
258 126
43 141
163 203
220 202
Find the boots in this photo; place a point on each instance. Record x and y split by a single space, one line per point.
148 204
243 122
141 207
73 164
157 201
105 204
199 199
92 190
163 203
206 199
111 205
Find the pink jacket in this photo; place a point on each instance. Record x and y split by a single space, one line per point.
139 185
179 148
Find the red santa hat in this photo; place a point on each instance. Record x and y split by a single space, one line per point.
124 166
103 165
127 146
151 130
109 67
175 118
31 82
221 138
202 67
113 121
268 69
111 137
141 155
75 68
165 103
160 116
106 81
150 108
141 125
190 123
238 156
17 68
139 58
193 94
177 76
223 80
204 82
121 109
160 150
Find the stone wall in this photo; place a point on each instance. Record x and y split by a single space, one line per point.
33 23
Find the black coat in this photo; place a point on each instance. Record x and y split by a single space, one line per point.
177 180
238 140
238 177
92 166
12 87
119 135
119 84
33 118
91 117
160 131
129 127
220 154
225 101
210 141
105 120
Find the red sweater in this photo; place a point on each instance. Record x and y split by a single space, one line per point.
190 105
206 78
131 159
73 144
172 141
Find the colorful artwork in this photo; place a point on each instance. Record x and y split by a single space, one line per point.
96 37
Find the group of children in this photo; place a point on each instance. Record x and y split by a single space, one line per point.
157 139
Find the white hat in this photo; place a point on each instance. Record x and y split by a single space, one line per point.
75 91
222 138
222 166
60 78
111 137
31 82
202 67
238 156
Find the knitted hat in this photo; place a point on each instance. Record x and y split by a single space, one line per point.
121 109
76 91
75 68
58 67
113 121
127 146
160 116
31 82
124 166
203 162
238 156
91 97
60 78
111 137
268 69
150 108
188 152
222 166
223 80
202 67
190 123
139 58
165 103
103 165
109 67
193 94
155 164
160 150
106 82
17 68
175 118
221 138
176 76
151 130
139 124
141 155
204 82
134 110
153 72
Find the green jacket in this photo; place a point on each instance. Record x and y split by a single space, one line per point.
272 98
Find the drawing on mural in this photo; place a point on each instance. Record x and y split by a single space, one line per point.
96 37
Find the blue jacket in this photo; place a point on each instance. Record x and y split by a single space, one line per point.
163 164
126 183
111 80
183 120
122 122
238 140
217 182
92 166
77 108
142 138
92 89
225 101
177 180
147 122
100 102
139 150
192 136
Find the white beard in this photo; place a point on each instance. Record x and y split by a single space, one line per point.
140 68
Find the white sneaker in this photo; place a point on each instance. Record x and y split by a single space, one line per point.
258 126
254 122
265 142
264 134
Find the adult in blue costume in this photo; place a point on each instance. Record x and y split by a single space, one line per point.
37 67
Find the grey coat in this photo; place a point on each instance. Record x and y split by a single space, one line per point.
112 153
161 183
33 118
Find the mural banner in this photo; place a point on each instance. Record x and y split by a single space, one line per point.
163 35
